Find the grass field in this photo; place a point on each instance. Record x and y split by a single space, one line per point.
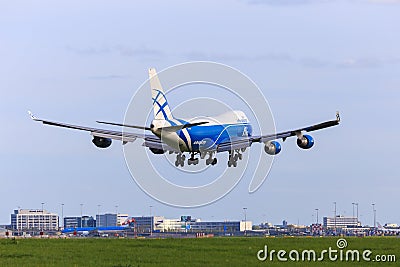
222 251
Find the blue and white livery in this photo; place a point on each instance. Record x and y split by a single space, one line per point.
229 132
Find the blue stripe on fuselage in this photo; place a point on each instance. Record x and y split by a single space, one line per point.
218 133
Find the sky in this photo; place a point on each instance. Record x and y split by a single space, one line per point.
81 61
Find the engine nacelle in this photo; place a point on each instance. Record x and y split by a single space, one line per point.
305 142
101 142
272 148
156 150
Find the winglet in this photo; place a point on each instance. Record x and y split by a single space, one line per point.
337 116
31 115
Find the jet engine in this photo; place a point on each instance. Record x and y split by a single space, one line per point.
101 142
305 142
272 148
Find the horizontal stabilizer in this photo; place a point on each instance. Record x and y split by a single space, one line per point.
31 115
166 128
182 126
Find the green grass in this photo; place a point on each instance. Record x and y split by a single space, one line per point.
179 252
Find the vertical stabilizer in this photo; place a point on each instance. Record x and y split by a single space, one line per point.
160 103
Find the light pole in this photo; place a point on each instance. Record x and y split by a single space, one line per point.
98 214
353 207
19 224
62 215
357 213
317 214
81 214
116 215
151 222
42 218
245 221
374 211
335 216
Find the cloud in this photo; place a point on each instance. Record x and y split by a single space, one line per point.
367 62
141 51
309 62
108 77
88 50
122 50
384 1
195 55
285 2
308 2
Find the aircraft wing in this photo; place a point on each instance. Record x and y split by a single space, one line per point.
116 135
150 141
245 142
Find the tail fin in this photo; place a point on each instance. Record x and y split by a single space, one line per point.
160 103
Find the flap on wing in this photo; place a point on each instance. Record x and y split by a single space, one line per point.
115 137
234 144
157 144
284 135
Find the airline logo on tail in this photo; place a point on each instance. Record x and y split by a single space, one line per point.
160 103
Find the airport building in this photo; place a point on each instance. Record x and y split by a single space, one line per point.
147 224
106 220
341 222
186 224
111 219
84 221
24 219
220 226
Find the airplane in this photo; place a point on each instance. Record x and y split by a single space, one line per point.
229 132
388 230
87 230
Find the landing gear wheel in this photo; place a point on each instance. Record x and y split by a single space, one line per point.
193 160
180 160
214 161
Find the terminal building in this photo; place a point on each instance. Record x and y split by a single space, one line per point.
84 221
24 219
341 222
110 219
187 224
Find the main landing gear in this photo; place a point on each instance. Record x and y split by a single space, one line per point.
193 160
211 160
180 160
234 156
